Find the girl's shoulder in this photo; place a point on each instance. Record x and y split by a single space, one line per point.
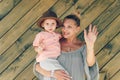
41 34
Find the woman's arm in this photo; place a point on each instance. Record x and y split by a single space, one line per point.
58 74
42 71
90 55
90 39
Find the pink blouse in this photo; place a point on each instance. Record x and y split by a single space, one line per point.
51 44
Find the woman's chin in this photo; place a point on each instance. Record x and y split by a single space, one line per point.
66 36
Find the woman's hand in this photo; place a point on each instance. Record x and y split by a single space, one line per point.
90 39
58 74
61 75
91 36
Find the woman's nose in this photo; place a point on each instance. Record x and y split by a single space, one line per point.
65 29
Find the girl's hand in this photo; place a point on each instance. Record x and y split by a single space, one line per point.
61 75
40 49
91 36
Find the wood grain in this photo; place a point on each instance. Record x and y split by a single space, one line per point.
15 15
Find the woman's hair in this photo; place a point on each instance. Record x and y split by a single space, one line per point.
73 17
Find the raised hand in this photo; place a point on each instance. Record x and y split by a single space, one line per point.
90 36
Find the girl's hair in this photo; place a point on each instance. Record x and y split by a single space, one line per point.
73 17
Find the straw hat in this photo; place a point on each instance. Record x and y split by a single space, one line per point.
49 15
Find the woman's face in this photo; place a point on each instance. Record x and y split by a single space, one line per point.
69 29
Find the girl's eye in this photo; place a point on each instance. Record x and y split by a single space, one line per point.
47 23
53 23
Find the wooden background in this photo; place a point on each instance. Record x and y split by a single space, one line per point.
18 29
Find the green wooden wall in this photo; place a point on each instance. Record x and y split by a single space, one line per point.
18 28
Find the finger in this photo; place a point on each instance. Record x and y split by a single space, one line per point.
67 78
94 29
90 27
62 71
96 33
65 75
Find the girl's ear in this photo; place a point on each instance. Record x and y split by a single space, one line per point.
42 24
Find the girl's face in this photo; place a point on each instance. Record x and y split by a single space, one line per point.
49 25
70 29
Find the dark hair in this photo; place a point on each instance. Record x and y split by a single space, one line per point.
73 17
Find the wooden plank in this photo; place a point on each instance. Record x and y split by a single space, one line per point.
5 7
116 76
31 17
109 33
81 5
108 51
20 45
34 78
60 7
105 18
16 49
16 2
113 66
18 65
95 9
15 15
102 75
70 6
27 72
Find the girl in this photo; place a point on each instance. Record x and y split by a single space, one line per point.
46 43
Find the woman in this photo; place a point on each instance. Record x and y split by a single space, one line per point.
77 57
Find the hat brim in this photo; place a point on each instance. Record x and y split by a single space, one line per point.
59 23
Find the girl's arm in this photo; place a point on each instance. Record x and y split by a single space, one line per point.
38 42
38 49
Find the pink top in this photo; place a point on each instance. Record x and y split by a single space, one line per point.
51 44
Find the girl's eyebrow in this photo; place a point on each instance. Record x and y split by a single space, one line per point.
69 26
